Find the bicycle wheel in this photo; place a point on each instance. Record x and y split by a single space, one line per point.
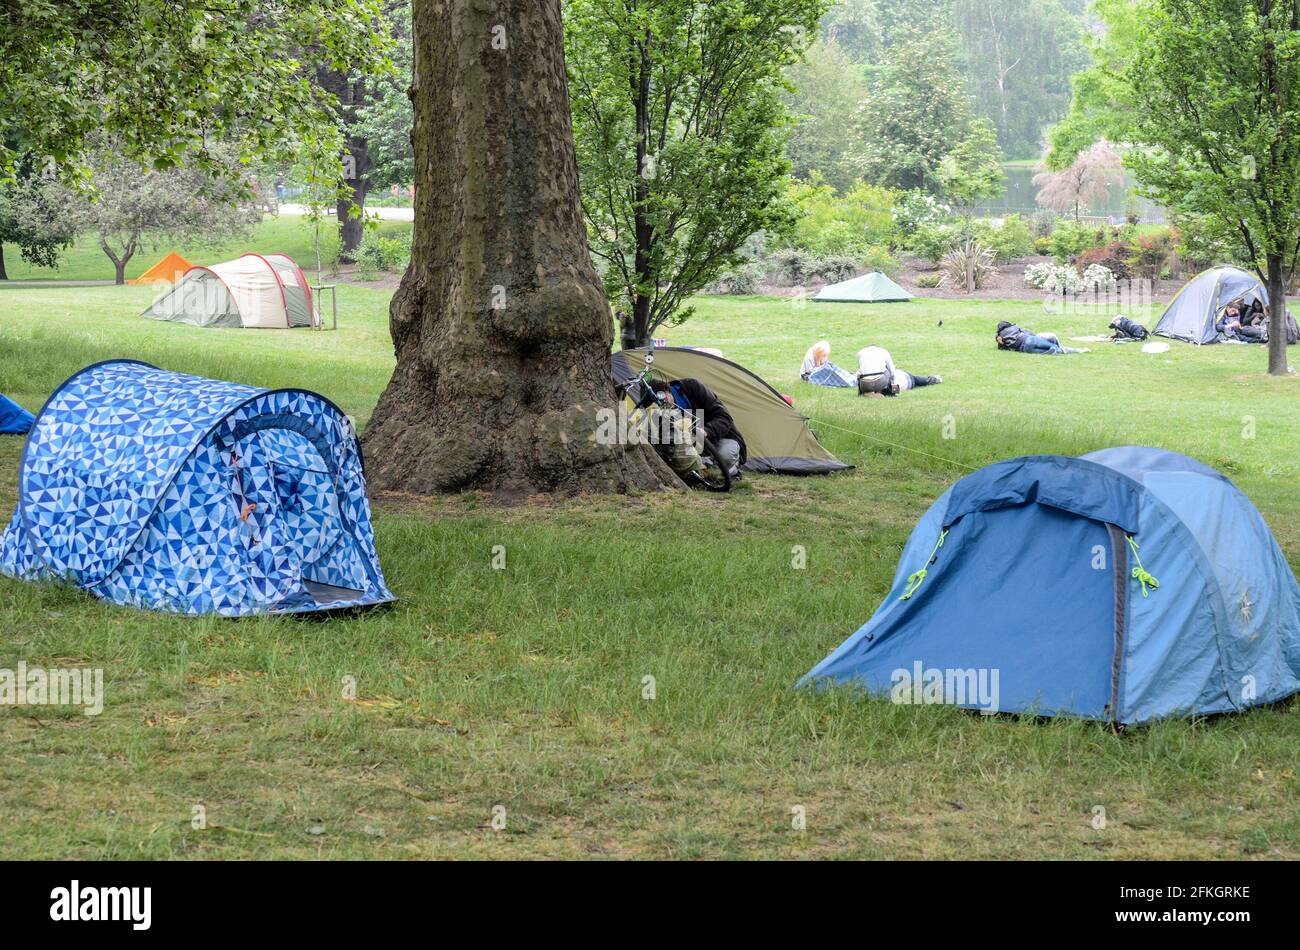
715 476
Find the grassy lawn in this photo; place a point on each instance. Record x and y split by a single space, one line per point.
523 687
285 234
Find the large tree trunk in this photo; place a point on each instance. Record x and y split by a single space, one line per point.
500 326
4 274
1277 362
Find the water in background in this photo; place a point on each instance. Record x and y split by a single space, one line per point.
1018 193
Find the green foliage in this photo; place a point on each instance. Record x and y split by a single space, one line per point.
381 254
833 224
1009 241
1101 105
33 217
163 78
914 114
826 90
1019 57
128 209
916 209
972 171
1070 239
385 118
680 129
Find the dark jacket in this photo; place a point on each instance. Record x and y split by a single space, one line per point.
1011 337
1124 327
718 423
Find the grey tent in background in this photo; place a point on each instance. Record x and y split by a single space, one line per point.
1195 309
869 288
250 291
778 438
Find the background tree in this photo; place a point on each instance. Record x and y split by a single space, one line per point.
914 114
826 90
1100 106
1215 86
855 27
500 326
386 119
1085 184
1019 56
679 125
165 77
969 174
128 210
33 217
358 96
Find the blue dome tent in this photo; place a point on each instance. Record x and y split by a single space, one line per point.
14 419
171 492
1127 585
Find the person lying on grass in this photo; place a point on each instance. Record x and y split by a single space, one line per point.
1012 337
878 376
1126 329
691 395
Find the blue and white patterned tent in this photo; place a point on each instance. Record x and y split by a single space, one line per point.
172 492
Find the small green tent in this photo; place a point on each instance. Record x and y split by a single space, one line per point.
869 288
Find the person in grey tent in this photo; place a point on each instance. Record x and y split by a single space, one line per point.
1012 337
878 376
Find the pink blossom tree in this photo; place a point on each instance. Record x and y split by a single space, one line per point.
1085 183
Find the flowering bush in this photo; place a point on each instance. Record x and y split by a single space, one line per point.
1098 277
1053 278
916 209
1064 279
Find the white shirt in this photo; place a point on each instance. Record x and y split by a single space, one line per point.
876 361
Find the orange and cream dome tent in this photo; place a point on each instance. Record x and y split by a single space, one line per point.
254 290
167 271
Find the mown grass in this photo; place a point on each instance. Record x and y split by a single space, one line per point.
524 687
283 234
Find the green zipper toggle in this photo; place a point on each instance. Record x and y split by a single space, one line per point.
1140 573
918 577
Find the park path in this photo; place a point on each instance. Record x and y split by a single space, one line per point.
383 214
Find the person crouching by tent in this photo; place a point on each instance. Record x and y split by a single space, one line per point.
691 395
1012 337
878 376
1126 329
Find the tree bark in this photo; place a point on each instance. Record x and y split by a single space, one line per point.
500 326
352 95
4 274
1277 360
356 182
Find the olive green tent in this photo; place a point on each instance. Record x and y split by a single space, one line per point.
869 288
778 438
